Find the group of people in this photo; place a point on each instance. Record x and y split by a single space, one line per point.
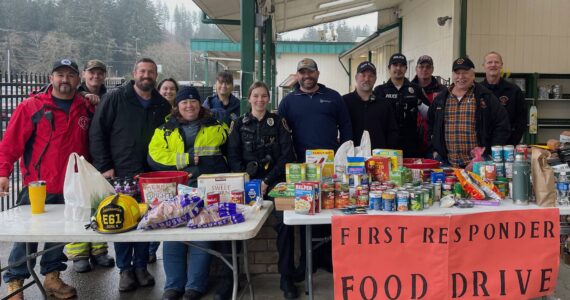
139 127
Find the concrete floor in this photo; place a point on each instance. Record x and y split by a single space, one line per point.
102 283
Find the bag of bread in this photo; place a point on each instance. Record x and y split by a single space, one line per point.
543 179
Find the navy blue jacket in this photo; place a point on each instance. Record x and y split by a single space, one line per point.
222 113
316 119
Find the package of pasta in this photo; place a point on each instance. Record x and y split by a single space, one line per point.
490 189
468 185
172 212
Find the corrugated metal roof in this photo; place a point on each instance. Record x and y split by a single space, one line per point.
280 47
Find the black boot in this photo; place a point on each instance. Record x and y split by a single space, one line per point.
288 287
225 289
127 281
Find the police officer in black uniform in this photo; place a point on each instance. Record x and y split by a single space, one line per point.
406 99
260 144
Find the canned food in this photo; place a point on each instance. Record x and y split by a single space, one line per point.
416 201
491 172
213 198
509 153
375 201
341 199
500 169
237 197
502 186
402 199
437 191
509 170
427 200
388 199
522 148
362 200
447 189
497 153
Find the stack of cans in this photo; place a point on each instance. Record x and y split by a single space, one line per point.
503 158
410 197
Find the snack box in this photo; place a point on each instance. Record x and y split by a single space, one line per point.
284 203
223 183
355 165
295 173
313 172
305 198
323 157
379 168
396 156
252 191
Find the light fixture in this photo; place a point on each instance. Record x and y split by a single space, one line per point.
342 11
441 20
333 3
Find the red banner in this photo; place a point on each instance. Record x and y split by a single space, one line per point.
496 255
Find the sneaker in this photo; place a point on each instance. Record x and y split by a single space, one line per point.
171 295
288 287
127 281
151 259
14 285
192 295
104 260
144 278
81 265
55 287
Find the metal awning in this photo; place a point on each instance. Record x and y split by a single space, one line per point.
292 14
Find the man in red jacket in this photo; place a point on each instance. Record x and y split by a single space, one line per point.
43 131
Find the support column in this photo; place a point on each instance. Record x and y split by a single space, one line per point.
206 69
269 60
247 49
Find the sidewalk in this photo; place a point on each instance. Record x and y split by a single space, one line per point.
102 283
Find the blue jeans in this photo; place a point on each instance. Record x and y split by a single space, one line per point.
153 247
51 261
186 267
131 255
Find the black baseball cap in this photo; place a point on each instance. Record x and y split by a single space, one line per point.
366 65
398 58
463 63
65 62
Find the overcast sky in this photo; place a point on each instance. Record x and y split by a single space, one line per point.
364 20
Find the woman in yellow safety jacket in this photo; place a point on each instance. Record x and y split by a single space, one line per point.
190 140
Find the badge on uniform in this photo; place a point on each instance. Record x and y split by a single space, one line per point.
504 100
411 90
270 121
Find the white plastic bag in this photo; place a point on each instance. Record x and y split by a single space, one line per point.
84 187
345 150
365 148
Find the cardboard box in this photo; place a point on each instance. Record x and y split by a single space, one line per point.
286 203
223 183
396 156
324 157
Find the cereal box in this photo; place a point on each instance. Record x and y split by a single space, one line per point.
379 168
305 198
324 157
396 156
294 173
223 183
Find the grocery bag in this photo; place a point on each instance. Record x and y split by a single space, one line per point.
84 187
543 179
365 148
345 150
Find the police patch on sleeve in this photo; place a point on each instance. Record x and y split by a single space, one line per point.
284 122
232 126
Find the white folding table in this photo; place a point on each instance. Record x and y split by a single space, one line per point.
19 225
325 217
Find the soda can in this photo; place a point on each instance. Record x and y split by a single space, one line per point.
416 201
509 153
388 199
509 170
497 153
402 199
213 198
499 169
375 200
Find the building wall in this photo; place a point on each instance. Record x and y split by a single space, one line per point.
532 36
422 35
332 74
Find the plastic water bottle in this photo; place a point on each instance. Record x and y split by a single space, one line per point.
562 189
